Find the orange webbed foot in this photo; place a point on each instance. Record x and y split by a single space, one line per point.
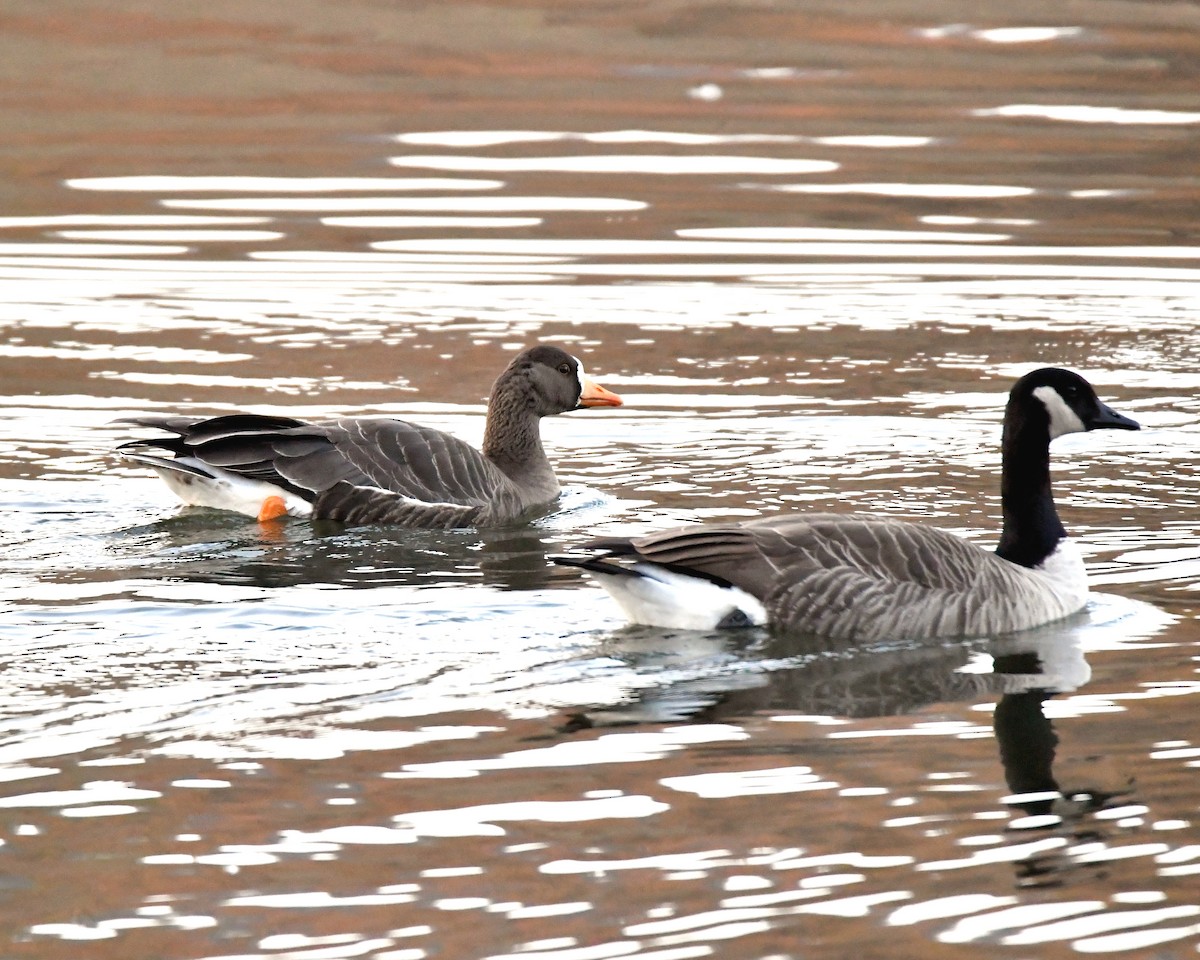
272 509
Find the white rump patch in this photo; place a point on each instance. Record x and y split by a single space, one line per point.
1062 418
663 598
224 490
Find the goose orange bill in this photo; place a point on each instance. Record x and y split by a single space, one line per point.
594 395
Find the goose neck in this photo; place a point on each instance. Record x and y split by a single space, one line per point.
1032 529
512 439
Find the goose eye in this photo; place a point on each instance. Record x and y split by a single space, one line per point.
564 369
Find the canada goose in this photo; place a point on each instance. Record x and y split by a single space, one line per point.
871 578
378 469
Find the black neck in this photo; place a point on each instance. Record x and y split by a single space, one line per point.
1032 529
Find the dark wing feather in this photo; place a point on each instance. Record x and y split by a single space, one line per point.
698 546
364 470
855 576
886 550
355 505
416 462
245 444
397 457
176 425
237 424
730 554
198 430
842 575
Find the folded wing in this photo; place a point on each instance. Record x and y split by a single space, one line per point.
361 469
843 575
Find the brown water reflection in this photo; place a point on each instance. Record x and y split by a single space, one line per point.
702 853
811 245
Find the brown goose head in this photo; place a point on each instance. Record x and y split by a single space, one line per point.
551 381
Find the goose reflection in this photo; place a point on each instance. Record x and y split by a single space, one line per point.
731 674
1033 671
723 675
206 547
707 677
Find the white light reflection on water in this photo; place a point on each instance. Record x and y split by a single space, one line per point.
501 204
747 783
875 141
689 861
494 138
288 386
931 190
291 901
1083 113
1120 942
356 292
950 220
1078 922
90 793
127 220
831 234
241 184
1026 34
1011 853
944 908
103 810
707 164
983 926
107 929
935 728
175 236
482 820
609 748
50 249
472 139
1039 34
732 922
66 349
426 223
748 248
327 743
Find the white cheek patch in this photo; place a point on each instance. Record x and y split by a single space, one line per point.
1062 418
579 373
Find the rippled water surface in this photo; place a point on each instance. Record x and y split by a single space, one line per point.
811 245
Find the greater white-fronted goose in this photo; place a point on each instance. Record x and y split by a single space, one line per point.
377 469
871 578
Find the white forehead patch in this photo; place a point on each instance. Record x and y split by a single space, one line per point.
579 373
1062 418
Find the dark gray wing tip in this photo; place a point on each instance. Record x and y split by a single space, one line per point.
598 556
172 424
162 463
594 564
610 546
